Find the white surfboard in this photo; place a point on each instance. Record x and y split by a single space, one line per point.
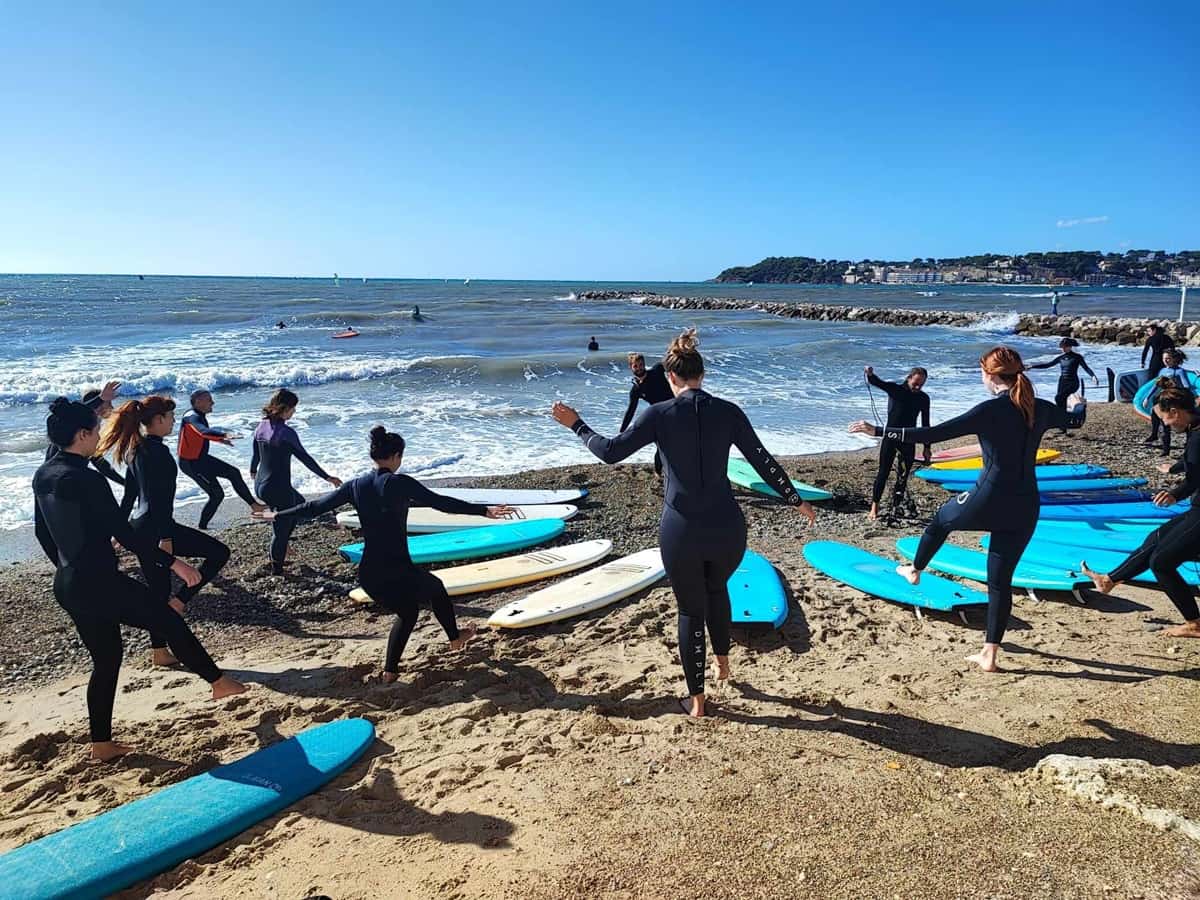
424 520
510 570
583 593
510 496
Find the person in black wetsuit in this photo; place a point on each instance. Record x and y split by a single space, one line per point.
702 532
152 475
649 385
275 443
1069 363
906 401
201 466
81 518
387 573
1170 374
1005 499
593 344
1178 540
1157 341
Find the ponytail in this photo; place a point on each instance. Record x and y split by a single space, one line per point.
123 435
1005 364
281 401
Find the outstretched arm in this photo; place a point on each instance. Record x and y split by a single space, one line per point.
1047 365
419 495
614 449
968 423
746 440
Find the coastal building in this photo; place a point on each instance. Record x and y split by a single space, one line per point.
914 276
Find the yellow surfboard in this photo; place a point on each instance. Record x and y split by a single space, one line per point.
975 462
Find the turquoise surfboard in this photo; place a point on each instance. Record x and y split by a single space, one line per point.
1121 541
877 576
1143 400
1141 509
966 563
743 475
144 837
1040 472
471 543
1099 560
1064 485
756 594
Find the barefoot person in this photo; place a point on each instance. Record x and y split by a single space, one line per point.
387 573
906 401
275 443
649 385
201 466
1177 541
135 436
1005 499
81 517
702 532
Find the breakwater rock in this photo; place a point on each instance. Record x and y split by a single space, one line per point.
1092 329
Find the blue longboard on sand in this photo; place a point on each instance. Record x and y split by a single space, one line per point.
1141 509
144 837
966 563
1070 535
756 594
1047 472
471 543
1063 485
877 576
1048 553
743 475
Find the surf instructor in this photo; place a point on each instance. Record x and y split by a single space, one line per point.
702 532
906 401
649 385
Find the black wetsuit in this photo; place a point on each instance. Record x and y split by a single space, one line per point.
1179 375
205 469
386 571
1069 364
1004 500
1155 345
904 405
275 443
80 518
653 388
152 480
702 532
1175 542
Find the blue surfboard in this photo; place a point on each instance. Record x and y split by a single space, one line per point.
147 836
1040 472
1143 400
966 563
877 576
1063 485
1142 509
756 594
471 543
1120 495
1099 560
1121 541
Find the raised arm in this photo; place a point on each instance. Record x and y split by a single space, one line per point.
419 495
888 387
746 440
313 508
614 449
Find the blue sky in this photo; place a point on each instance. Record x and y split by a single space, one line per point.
588 141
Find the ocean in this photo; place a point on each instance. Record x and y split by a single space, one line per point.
471 386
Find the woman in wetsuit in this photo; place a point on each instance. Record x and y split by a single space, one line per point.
275 443
387 573
905 402
1171 375
135 437
1005 499
1178 540
81 519
702 532
1069 363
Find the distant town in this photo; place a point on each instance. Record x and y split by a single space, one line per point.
1150 268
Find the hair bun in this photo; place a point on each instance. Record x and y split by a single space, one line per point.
59 405
686 342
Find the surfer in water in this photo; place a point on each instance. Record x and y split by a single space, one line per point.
280 324
649 385
387 572
593 344
1069 363
1178 540
1005 499
416 314
702 532
906 400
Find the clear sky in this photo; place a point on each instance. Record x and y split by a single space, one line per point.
604 140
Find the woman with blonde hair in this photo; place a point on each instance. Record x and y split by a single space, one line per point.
1005 499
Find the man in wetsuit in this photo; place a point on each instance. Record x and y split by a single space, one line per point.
593 345
906 401
204 469
1157 341
649 385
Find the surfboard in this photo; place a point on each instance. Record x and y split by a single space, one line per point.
1143 400
1098 559
424 520
345 335
743 475
510 496
964 562
1044 455
756 595
1129 382
1120 541
877 576
1105 526
580 594
1142 509
490 540
1054 472
141 838
1118 495
952 453
1065 485
509 570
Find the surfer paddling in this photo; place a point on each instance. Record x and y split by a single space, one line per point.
1005 500
702 533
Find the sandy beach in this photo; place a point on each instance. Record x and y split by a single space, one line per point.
854 753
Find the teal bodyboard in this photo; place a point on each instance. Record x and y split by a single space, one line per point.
966 563
142 838
743 475
471 543
877 576
1048 472
756 595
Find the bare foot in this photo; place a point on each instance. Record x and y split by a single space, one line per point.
1186 630
1101 582
692 707
226 687
464 635
873 512
163 657
388 677
909 574
103 751
722 668
986 658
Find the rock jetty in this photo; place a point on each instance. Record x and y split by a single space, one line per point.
1092 329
